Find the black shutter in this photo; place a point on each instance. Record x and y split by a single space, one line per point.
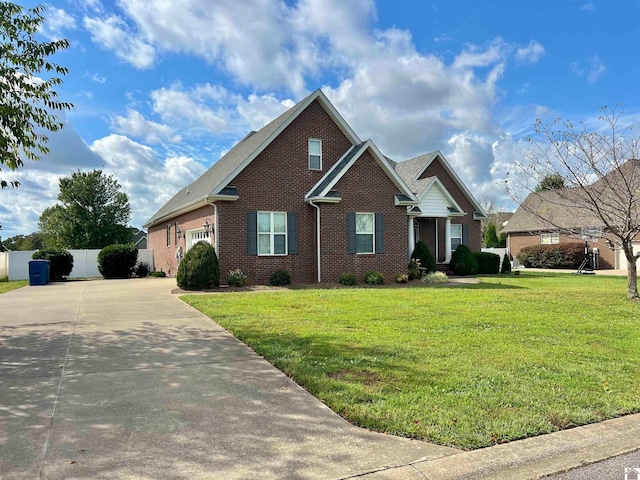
379 233
292 233
465 235
252 233
351 232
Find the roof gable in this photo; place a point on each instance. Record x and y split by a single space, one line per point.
323 188
414 173
211 185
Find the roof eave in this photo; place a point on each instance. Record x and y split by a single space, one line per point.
323 199
179 211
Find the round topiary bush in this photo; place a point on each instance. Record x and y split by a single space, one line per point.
463 261
61 261
427 261
348 279
199 269
279 278
117 261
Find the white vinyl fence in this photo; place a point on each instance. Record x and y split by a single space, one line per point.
85 263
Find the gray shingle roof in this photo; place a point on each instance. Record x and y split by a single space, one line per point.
210 180
410 169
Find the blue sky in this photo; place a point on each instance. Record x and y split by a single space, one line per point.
163 88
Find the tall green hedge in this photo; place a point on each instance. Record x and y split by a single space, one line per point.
463 262
421 252
488 263
564 255
61 261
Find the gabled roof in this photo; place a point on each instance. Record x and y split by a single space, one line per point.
411 170
210 185
555 205
322 189
435 183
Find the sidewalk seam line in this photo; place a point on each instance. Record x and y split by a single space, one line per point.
55 402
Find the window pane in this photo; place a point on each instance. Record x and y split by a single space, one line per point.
264 222
364 223
314 162
279 244
454 243
314 147
264 244
364 243
280 222
456 230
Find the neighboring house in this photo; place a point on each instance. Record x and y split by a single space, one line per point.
565 221
139 239
307 195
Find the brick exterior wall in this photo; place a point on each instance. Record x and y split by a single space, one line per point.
474 239
165 256
365 188
278 180
517 241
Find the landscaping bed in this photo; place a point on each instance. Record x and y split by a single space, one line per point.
472 366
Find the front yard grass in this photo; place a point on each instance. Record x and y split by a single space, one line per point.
6 286
469 367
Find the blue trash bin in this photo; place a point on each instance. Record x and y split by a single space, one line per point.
39 272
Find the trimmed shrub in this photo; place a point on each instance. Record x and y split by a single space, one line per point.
565 255
237 278
142 269
506 264
117 261
435 278
463 261
199 269
373 277
159 274
348 279
414 269
402 278
488 263
421 252
279 278
61 261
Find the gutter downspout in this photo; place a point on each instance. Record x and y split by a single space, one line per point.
215 226
317 207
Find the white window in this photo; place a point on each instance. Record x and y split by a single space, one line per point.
549 238
365 233
416 231
315 154
272 233
456 236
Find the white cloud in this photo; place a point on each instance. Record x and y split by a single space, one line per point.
136 125
95 77
148 181
531 53
588 7
57 20
596 70
113 33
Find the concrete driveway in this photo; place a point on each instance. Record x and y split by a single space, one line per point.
120 379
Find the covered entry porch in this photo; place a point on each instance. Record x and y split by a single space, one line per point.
441 234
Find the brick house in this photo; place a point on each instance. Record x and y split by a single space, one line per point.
307 195
556 216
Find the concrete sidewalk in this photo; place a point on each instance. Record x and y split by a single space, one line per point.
120 379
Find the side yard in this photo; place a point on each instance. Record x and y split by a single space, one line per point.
473 366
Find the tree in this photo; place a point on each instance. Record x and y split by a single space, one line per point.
26 99
33 241
491 236
550 181
600 169
92 212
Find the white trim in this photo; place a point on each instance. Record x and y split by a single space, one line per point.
315 155
435 181
300 107
379 158
174 213
319 262
373 233
456 178
447 241
272 235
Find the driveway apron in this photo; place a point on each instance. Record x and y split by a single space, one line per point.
120 379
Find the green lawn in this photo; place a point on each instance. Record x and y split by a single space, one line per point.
8 286
469 367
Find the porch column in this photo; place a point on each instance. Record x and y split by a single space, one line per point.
412 238
447 241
